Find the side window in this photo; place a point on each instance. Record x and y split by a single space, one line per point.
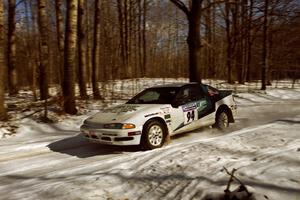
182 97
196 93
190 94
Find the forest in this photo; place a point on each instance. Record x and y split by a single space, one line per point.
84 43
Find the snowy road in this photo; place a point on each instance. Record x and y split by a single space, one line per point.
53 162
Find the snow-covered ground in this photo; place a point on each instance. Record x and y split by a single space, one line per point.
52 161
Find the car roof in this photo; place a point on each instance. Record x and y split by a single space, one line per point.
174 85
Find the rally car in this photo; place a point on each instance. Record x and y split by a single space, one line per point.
159 112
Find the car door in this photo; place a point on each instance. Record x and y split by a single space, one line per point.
192 106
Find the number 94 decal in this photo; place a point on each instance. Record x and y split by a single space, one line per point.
190 113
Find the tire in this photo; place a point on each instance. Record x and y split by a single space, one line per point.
222 120
154 135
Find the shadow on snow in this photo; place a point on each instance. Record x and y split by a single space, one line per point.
80 147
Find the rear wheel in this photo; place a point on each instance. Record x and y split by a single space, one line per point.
222 120
153 135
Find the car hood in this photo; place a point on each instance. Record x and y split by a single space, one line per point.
122 113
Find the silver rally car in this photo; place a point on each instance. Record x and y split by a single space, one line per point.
157 112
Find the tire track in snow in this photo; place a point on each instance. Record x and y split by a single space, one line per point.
139 164
165 189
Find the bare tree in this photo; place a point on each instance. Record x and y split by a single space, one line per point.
230 43
70 57
139 29
96 51
122 15
11 48
209 37
144 37
194 40
249 41
265 59
82 64
44 49
3 115
134 38
60 37
30 47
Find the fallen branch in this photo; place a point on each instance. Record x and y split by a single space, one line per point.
232 178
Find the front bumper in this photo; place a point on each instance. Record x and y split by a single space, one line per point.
120 137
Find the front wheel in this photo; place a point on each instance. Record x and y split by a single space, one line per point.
153 135
222 120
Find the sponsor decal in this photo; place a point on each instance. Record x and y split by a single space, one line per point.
168 116
188 107
205 108
121 109
152 114
166 110
190 112
190 116
201 105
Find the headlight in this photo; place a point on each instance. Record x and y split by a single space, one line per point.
119 126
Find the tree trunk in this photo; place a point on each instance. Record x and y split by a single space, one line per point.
139 29
44 49
11 51
121 32
30 49
35 54
194 38
96 51
70 57
82 64
3 115
238 44
144 37
229 50
214 52
265 64
125 11
249 41
194 45
89 35
209 57
60 38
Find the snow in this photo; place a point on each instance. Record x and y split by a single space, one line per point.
48 161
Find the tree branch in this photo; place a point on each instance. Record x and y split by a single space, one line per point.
233 177
213 3
181 6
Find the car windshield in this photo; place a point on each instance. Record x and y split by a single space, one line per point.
163 95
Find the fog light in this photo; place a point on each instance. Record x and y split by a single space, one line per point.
134 133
